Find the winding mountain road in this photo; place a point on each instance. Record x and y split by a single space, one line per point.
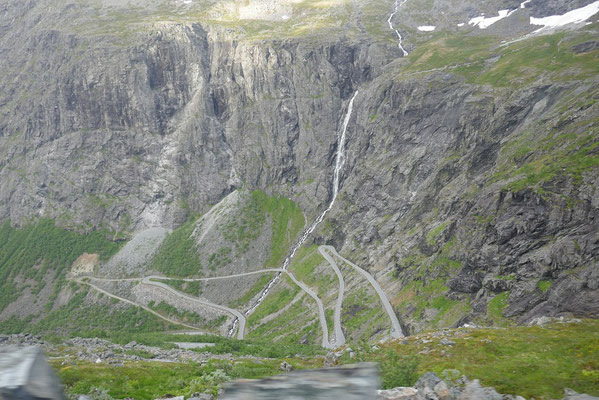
195 328
396 331
240 317
152 281
323 321
240 332
338 336
328 252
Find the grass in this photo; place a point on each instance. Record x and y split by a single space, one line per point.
150 380
77 318
39 248
287 222
544 285
177 255
254 290
517 360
295 325
568 151
168 310
193 288
436 231
303 267
275 302
513 65
309 21
363 315
495 308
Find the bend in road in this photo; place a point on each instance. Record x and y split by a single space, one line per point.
323 322
338 336
235 313
134 304
396 331
151 280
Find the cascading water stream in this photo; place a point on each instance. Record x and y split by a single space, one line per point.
398 4
339 163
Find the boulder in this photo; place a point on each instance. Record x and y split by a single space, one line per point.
26 375
285 367
474 391
399 393
572 395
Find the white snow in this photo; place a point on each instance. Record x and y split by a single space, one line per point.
571 17
426 28
462 24
484 23
523 5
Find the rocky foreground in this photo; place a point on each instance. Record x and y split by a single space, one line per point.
348 382
359 382
431 387
99 351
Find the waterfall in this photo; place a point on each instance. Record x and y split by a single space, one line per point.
339 163
399 37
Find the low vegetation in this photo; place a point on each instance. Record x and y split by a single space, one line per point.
150 380
78 318
42 250
516 360
178 256
484 60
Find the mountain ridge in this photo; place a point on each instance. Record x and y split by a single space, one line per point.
469 187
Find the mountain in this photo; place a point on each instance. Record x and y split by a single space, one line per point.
450 148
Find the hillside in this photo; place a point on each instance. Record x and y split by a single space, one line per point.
300 172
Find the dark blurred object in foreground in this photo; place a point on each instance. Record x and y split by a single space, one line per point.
26 375
353 382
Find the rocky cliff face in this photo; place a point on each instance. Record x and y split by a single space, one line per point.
470 187
135 132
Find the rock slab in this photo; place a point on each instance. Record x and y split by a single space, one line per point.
26 375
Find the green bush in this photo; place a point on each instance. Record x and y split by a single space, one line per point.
33 251
178 256
397 369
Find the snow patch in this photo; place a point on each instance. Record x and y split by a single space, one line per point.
571 17
461 24
426 28
484 23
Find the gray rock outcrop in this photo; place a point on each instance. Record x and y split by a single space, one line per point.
431 387
26 375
